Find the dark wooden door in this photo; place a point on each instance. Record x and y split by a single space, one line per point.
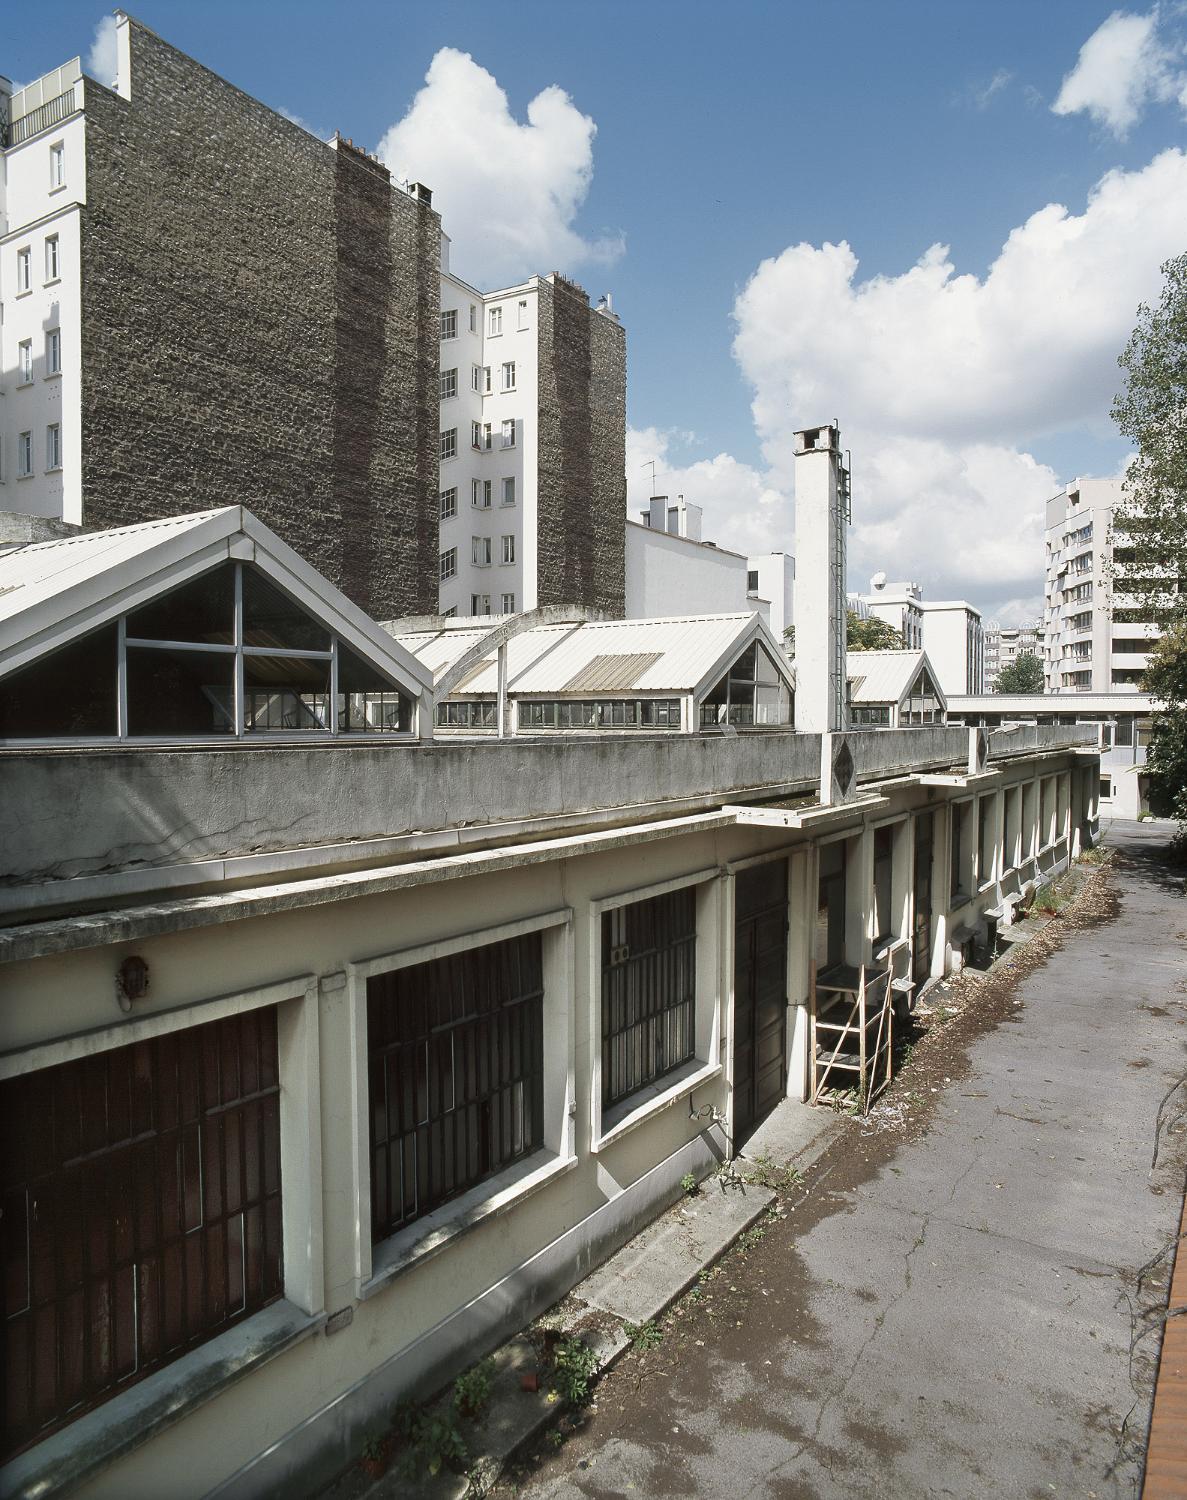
760 992
921 933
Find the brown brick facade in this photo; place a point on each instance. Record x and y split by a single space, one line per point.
581 536
260 328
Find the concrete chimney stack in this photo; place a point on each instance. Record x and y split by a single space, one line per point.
822 515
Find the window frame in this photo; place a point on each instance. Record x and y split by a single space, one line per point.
507 604
377 1265
447 503
447 384
53 259
508 547
448 324
494 322
447 564
24 371
138 1414
53 352
480 551
508 480
506 433
712 982
53 447
57 166
448 445
24 455
24 270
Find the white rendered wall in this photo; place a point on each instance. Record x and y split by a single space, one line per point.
36 210
481 348
669 575
952 638
776 583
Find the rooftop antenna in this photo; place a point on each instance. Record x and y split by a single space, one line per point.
650 464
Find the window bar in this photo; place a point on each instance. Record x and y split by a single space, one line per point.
333 713
121 691
239 690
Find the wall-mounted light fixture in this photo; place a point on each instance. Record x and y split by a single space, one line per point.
131 981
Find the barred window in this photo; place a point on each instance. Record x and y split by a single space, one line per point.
141 1212
456 1058
648 991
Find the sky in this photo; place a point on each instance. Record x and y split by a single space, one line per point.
932 220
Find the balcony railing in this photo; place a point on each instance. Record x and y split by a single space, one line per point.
51 113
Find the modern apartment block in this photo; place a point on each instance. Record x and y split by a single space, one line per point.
1004 644
1095 639
203 303
532 493
949 630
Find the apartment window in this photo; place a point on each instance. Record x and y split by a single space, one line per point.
508 604
480 436
480 379
495 320
480 604
508 549
522 316
648 991
53 260
480 551
142 1212
449 324
53 446
508 494
53 352
449 443
25 362
449 563
509 375
473 318
57 165
507 437
480 490
24 270
1106 789
456 1053
752 581
24 455
448 504
448 384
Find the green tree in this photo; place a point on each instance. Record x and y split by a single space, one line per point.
1165 678
871 634
1150 523
1023 675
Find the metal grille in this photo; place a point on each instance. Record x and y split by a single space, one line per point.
141 1212
456 1052
648 990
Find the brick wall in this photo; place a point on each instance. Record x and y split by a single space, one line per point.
259 328
582 452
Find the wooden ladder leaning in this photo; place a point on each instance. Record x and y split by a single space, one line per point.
852 1033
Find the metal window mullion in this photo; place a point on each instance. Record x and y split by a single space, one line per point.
121 679
333 709
239 692
302 654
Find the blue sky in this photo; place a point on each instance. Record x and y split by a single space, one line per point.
726 136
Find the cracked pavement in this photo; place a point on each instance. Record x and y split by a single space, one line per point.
950 1311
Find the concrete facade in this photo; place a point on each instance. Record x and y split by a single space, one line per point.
244 312
1004 644
1094 640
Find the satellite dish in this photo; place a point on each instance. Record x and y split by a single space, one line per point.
878 581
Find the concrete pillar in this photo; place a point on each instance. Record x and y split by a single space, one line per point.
822 514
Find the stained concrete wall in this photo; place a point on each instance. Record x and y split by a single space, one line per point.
259 326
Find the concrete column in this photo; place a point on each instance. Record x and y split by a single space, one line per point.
821 507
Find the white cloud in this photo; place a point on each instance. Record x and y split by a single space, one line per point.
940 379
509 192
1123 66
102 63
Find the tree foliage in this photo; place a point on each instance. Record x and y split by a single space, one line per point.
1023 675
871 634
1165 678
1150 523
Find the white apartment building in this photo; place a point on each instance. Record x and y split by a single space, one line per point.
771 578
949 630
42 188
1004 644
1094 641
518 418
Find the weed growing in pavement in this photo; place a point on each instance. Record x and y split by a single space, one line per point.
644 1335
689 1185
431 1443
471 1390
574 1367
750 1237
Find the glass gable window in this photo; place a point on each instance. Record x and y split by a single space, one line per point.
227 653
751 693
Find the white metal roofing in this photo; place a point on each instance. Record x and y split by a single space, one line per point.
677 654
53 592
885 676
1065 705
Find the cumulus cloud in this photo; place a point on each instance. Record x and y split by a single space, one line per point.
942 379
1124 66
509 191
102 63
